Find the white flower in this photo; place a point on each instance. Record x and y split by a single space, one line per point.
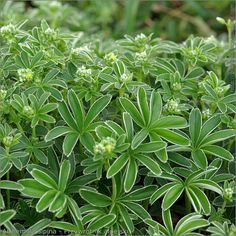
206 113
110 57
99 148
172 106
25 74
79 50
8 31
83 72
140 37
126 77
141 56
28 111
3 94
7 141
107 145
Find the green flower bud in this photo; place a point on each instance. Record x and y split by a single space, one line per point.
25 75
8 141
110 57
177 86
141 56
84 73
126 77
228 194
8 31
206 114
28 111
172 106
3 94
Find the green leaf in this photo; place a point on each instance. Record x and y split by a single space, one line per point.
218 136
63 226
58 202
44 178
117 165
64 175
97 107
6 184
101 222
172 196
139 194
200 159
39 226
143 104
219 152
66 115
195 125
151 147
138 138
77 108
132 110
137 209
166 216
87 141
150 164
128 123
94 198
170 122
203 200
126 218
57 132
69 143
32 188
173 137
208 184
46 200
155 107
160 192
131 174
6 216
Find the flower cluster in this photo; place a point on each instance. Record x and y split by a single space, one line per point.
106 146
25 75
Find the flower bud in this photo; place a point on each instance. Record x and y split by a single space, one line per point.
8 31
28 111
3 94
8 140
25 75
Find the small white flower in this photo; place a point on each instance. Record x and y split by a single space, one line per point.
79 50
172 106
177 86
83 72
28 111
126 77
99 148
141 56
206 113
25 74
110 57
8 31
7 141
140 37
3 94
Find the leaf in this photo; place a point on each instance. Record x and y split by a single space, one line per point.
150 164
143 104
87 141
138 138
160 192
6 184
44 178
58 202
94 198
66 115
173 137
170 122
172 196
6 216
101 222
155 106
39 226
132 110
166 216
151 147
200 159
218 136
131 174
137 209
97 107
139 194
128 123
77 108
126 218
69 143
32 188
219 152
57 132
46 200
64 175
68 227
203 200
208 184
117 165
195 125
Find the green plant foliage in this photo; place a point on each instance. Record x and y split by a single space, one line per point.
133 137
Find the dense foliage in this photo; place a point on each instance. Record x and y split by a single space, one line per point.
133 137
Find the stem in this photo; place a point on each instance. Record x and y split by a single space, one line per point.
8 192
187 204
8 178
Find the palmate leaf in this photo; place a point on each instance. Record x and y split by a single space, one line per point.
74 116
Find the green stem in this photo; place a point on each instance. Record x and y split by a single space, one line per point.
187 204
8 178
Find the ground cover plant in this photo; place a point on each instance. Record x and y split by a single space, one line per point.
127 137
